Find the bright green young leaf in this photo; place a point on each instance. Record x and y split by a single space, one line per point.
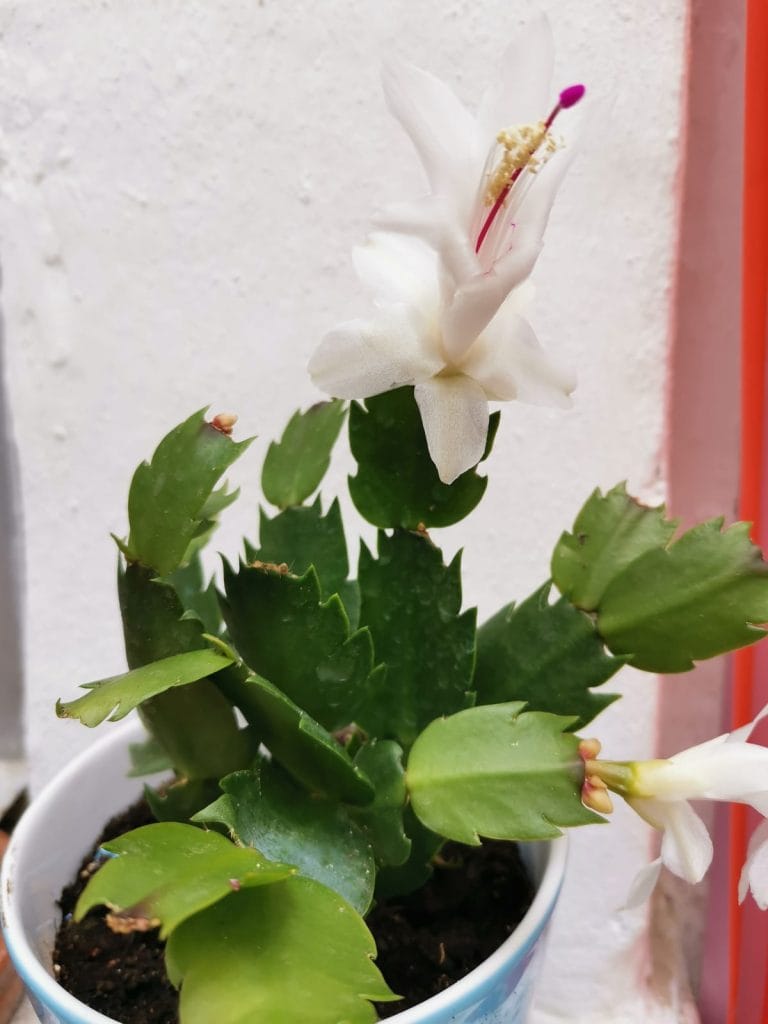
263 808
610 532
296 464
309 753
148 758
166 873
382 762
396 482
155 628
548 655
284 953
113 698
182 799
168 496
412 604
284 633
704 595
495 772
303 536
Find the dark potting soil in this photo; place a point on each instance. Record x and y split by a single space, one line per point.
426 940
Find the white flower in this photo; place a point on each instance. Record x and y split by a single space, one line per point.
725 768
492 177
443 323
403 344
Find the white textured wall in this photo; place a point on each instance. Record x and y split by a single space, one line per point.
180 184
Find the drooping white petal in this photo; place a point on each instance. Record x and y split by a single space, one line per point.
643 885
510 364
519 92
754 874
454 411
476 302
440 127
686 847
361 358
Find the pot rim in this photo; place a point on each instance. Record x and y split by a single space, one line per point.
47 990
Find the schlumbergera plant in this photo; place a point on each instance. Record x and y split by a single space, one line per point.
328 730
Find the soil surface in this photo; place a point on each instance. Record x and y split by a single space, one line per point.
426 940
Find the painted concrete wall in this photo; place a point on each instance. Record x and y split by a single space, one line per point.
180 186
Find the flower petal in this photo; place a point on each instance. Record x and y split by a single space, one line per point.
510 364
440 127
476 303
643 885
710 771
399 270
754 874
434 220
686 848
361 358
520 90
454 411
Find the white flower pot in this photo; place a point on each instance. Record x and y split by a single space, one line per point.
64 821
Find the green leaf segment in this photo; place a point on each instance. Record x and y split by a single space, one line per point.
162 874
267 609
296 464
498 773
168 496
283 953
265 810
396 482
546 653
662 604
411 602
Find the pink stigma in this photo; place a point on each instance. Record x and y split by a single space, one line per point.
570 97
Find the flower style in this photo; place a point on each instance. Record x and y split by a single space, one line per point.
725 768
441 283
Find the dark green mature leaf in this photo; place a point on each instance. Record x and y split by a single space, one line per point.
197 595
699 597
397 483
182 799
412 604
148 758
168 496
548 655
417 869
382 762
263 808
610 532
303 536
284 953
305 749
296 464
284 633
166 873
154 628
494 772
113 698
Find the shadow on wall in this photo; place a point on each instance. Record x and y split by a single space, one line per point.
11 683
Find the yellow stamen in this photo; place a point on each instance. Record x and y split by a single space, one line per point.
520 147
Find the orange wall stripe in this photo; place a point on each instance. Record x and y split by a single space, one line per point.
753 369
